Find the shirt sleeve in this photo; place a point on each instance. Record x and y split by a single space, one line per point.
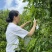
19 31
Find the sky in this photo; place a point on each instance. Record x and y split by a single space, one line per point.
13 5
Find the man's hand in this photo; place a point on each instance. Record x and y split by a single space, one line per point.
28 22
33 28
34 23
22 26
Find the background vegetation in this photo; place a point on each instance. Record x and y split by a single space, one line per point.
41 41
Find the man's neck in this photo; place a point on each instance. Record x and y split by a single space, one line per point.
14 22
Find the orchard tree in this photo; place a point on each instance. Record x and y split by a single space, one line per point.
41 41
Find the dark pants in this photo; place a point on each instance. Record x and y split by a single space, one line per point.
17 51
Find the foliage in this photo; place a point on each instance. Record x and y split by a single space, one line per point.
3 24
41 41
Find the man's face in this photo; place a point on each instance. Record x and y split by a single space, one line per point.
17 19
